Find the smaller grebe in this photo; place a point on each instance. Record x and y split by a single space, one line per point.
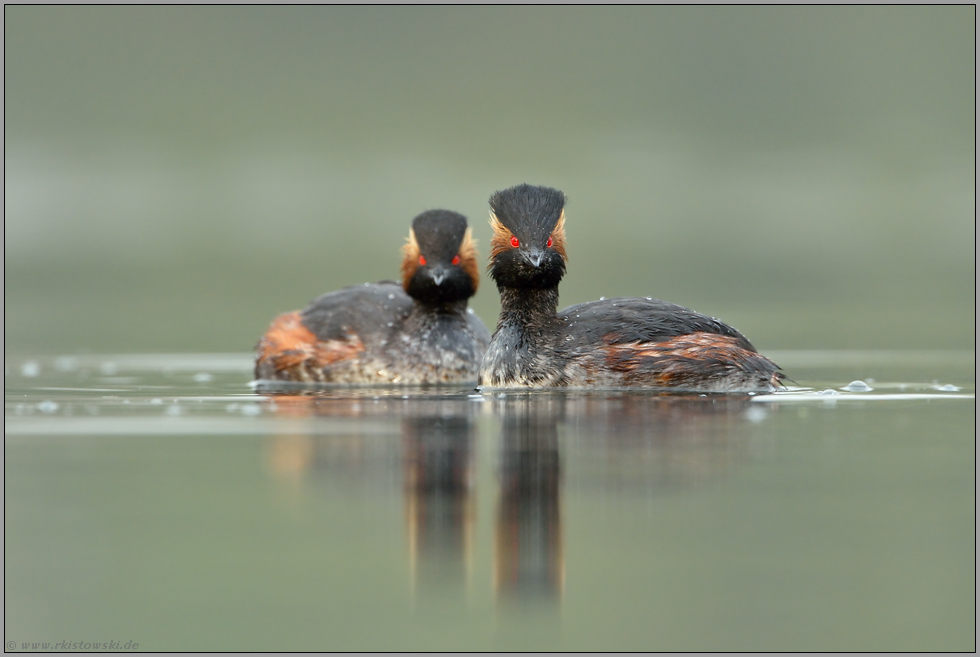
625 342
419 332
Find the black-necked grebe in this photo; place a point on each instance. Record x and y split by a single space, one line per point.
623 342
418 332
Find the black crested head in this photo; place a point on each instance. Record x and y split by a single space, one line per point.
528 246
439 233
528 212
440 263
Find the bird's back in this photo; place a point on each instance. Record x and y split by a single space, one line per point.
641 342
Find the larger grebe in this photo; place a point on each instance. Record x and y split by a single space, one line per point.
623 342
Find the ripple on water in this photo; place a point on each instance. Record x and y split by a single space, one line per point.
70 393
251 409
857 386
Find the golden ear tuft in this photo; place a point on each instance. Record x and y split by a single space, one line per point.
469 258
558 237
410 262
500 241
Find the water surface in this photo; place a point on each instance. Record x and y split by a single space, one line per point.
163 500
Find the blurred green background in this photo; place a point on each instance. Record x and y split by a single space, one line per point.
176 176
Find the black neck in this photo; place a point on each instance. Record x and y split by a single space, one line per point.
448 308
528 306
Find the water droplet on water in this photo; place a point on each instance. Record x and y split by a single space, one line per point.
66 364
47 406
30 368
390 324
602 298
949 387
857 386
829 392
203 377
391 296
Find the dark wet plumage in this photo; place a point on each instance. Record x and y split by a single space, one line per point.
420 331
624 342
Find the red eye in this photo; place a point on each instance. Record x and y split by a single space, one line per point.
455 259
550 241
422 260
514 242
